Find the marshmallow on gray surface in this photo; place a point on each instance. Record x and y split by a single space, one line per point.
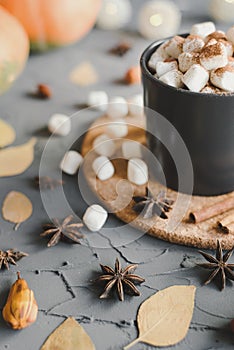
131 149
187 59
223 78
98 100
196 78
164 67
117 128
71 162
117 107
230 35
193 43
95 217
158 56
137 171
202 29
174 46
135 105
104 145
214 56
103 168
173 78
59 124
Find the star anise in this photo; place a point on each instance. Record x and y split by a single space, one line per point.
121 49
47 183
219 265
122 279
62 230
10 257
149 206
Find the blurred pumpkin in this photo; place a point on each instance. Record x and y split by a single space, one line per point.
51 23
14 50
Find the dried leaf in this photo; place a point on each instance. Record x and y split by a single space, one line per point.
16 208
164 318
84 74
69 336
7 134
15 160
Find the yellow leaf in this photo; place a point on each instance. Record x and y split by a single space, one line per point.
15 160
84 74
164 318
16 208
69 336
7 134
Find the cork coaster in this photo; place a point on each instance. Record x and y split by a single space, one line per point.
116 193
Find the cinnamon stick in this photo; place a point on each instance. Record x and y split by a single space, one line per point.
226 224
208 212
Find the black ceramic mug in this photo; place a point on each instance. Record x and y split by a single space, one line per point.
205 122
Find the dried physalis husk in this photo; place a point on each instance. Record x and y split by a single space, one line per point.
70 336
16 208
21 307
7 134
15 160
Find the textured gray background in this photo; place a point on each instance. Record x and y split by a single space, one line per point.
60 276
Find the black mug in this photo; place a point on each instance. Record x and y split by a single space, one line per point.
204 121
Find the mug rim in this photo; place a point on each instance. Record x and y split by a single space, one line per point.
145 70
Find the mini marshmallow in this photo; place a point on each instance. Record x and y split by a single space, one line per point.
131 149
59 124
230 35
211 42
214 56
135 105
223 78
103 168
209 89
104 145
95 217
196 78
137 171
231 61
117 108
228 46
203 29
117 128
174 46
158 56
193 43
98 100
164 67
187 59
217 35
173 78
71 162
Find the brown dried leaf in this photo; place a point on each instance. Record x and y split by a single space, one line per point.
15 160
7 134
84 74
16 208
69 336
164 318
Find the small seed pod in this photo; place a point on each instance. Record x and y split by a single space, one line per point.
21 307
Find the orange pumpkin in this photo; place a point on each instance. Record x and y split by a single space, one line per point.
14 49
54 22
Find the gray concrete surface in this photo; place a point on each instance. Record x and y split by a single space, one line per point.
60 276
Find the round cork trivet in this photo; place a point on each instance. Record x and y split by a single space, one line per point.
114 194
